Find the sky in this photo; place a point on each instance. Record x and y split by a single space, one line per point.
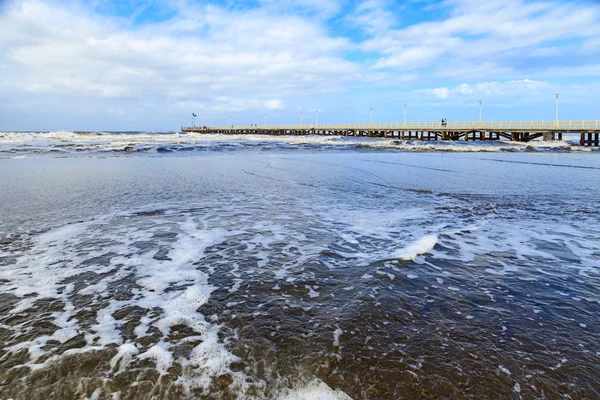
147 65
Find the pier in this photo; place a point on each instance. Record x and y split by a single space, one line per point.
520 131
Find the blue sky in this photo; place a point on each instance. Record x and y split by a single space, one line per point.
147 65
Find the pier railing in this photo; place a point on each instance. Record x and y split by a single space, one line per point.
501 125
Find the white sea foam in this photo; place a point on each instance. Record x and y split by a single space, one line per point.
336 336
160 355
421 246
311 292
124 356
175 286
519 246
314 390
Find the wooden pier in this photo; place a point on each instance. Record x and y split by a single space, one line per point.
522 131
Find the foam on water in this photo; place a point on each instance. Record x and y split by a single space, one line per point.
126 352
173 285
109 262
528 243
148 277
314 390
422 246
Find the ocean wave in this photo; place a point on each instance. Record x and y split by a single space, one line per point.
169 141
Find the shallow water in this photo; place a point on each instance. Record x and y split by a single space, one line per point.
298 272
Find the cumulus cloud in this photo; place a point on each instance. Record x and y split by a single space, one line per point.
505 33
210 58
372 16
314 8
515 88
274 104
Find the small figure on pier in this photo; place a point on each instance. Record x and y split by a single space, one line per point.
444 122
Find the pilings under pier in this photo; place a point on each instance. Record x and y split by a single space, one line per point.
590 139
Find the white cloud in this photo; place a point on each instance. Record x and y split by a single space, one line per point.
319 8
504 33
548 51
515 88
214 58
441 93
590 46
274 104
372 16
410 58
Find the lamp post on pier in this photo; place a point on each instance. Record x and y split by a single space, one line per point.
371 117
265 120
404 113
317 119
556 121
480 102
300 117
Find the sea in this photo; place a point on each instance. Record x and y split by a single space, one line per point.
139 265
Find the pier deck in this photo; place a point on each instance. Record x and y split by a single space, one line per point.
521 131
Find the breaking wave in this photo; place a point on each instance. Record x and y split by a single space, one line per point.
68 142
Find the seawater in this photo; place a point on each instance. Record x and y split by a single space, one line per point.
297 270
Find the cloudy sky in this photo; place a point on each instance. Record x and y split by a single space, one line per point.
147 65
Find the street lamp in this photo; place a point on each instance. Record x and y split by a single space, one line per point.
265 120
300 117
404 113
371 117
317 119
480 110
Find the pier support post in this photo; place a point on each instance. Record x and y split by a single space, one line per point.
548 136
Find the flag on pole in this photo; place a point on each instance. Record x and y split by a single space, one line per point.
194 115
